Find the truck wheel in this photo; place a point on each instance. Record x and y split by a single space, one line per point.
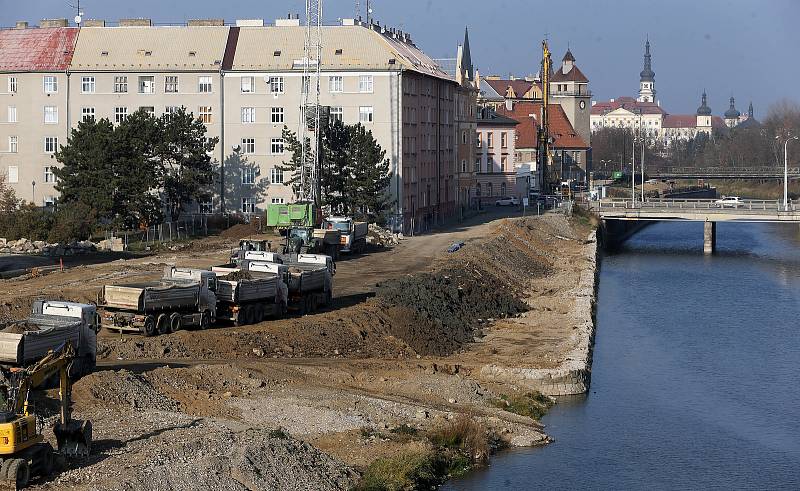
259 313
328 298
149 326
19 472
205 320
162 324
175 322
241 317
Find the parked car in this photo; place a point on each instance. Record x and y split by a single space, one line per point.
729 202
507 201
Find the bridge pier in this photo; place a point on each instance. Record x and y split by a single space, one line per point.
709 237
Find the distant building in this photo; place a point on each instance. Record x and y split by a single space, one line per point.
494 161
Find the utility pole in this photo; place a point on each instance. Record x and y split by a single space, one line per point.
643 137
786 170
310 131
544 129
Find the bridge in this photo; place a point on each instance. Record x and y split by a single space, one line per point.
723 173
707 211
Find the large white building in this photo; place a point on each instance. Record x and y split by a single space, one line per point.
645 113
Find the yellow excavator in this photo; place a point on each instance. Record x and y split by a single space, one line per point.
23 451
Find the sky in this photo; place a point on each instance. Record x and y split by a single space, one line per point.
727 47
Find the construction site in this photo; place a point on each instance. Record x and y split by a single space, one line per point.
414 337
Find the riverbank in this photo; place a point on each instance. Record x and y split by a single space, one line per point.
352 390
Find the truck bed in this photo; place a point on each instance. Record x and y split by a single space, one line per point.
21 349
242 291
151 296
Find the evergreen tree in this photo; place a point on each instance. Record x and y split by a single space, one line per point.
291 144
369 173
335 174
186 170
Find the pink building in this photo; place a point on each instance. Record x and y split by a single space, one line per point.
494 157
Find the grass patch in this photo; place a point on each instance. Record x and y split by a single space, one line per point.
420 470
532 404
465 436
279 433
405 429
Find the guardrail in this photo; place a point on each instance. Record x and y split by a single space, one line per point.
724 172
693 204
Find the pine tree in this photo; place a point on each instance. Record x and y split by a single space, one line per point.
186 169
370 175
335 174
291 144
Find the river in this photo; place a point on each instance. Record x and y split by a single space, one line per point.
695 373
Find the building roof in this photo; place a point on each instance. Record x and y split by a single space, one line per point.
344 48
573 75
679 121
37 49
487 116
749 123
528 115
519 86
732 112
647 74
627 103
151 48
704 110
488 93
568 56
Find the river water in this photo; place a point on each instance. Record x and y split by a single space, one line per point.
695 374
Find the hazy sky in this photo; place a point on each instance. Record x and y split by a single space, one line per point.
745 48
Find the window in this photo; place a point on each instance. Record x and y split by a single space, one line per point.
87 85
12 144
277 115
147 85
120 85
277 201
248 115
12 114
477 165
87 113
490 140
249 175
306 83
49 176
120 113
276 176
148 109
365 83
12 85
50 84
13 174
365 114
276 146
504 140
464 165
337 114
479 143
50 144
171 84
276 85
170 111
248 205
464 137
336 84
49 201
503 162
205 206
204 85
248 85
205 114
248 146
50 114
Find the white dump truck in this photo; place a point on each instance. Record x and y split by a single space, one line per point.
248 297
182 298
310 281
51 324
354 234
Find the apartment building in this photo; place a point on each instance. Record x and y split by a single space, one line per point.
495 167
245 83
34 113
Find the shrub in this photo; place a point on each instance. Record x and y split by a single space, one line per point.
279 433
532 404
465 435
73 221
418 470
27 221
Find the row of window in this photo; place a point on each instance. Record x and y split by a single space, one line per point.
248 147
50 144
146 84
249 175
13 174
490 140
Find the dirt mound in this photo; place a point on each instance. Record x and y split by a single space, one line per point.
240 231
120 390
237 276
19 328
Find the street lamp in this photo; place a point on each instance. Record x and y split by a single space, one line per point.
786 170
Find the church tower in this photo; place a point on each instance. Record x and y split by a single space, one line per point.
732 115
647 78
704 116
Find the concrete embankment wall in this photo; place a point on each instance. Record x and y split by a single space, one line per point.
574 374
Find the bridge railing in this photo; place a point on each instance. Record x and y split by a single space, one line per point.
711 172
692 204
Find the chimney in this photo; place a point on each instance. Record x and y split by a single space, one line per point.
53 23
21 24
348 22
287 22
250 23
135 22
509 105
94 23
205 22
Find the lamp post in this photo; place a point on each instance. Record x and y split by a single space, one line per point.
786 170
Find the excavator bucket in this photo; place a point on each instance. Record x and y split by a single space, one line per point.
74 439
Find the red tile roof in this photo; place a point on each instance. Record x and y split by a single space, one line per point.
521 87
37 49
528 114
574 75
679 121
627 103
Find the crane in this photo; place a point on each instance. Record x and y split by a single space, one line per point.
544 128
310 111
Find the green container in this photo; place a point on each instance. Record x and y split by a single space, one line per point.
616 175
293 215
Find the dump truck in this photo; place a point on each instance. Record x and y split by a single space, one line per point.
353 234
182 298
247 298
307 240
51 324
310 281
248 245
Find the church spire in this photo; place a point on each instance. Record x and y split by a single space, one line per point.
466 58
647 80
750 110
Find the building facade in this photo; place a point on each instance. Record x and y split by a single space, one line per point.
495 170
245 83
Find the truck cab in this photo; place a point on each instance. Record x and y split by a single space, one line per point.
354 234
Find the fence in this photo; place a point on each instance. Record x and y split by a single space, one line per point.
186 227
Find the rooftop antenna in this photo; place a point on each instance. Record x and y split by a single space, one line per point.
79 13
369 11
358 9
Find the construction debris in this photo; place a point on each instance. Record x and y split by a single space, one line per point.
381 237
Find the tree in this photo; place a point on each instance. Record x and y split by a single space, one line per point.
291 144
8 198
186 171
369 174
335 174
